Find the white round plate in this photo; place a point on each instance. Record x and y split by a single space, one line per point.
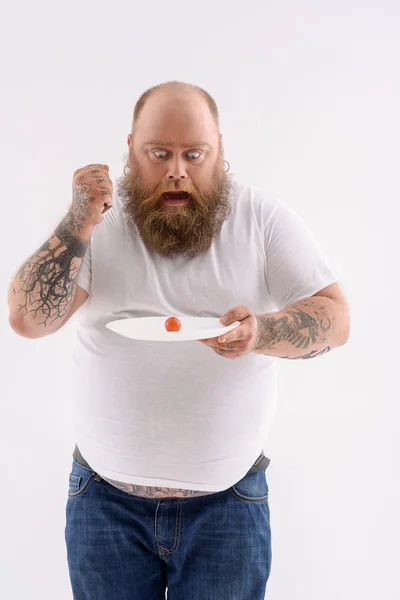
153 328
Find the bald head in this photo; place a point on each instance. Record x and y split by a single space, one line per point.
176 89
177 118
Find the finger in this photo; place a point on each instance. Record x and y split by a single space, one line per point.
238 313
238 334
224 354
209 342
219 351
228 347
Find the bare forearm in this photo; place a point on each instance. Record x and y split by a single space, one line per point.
44 287
306 329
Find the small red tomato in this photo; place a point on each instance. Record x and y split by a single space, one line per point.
172 324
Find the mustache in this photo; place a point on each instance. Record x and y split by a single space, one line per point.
175 186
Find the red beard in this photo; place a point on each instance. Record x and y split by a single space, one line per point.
176 230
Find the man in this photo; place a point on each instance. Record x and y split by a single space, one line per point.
168 485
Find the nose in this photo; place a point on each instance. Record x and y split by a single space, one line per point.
176 169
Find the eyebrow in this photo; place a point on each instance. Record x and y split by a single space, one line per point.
169 143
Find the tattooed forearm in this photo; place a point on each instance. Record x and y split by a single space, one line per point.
311 325
45 284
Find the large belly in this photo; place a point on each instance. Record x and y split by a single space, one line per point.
144 491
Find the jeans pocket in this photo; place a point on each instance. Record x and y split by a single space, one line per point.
252 488
80 479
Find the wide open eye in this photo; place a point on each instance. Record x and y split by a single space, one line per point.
160 153
194 155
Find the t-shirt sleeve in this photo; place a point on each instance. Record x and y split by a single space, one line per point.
85 274
296 265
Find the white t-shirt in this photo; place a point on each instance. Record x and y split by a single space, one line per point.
177 414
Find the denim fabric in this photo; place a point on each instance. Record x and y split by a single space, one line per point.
122 547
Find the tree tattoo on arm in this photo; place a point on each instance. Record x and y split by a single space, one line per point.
48 278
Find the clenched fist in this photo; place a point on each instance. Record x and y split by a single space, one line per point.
92 197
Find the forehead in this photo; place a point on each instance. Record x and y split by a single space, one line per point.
178 119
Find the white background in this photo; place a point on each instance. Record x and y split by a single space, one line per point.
308 93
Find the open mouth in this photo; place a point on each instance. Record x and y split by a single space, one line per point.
176 198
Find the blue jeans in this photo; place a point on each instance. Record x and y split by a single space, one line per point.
122 547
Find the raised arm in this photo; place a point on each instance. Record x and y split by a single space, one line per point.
43 293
